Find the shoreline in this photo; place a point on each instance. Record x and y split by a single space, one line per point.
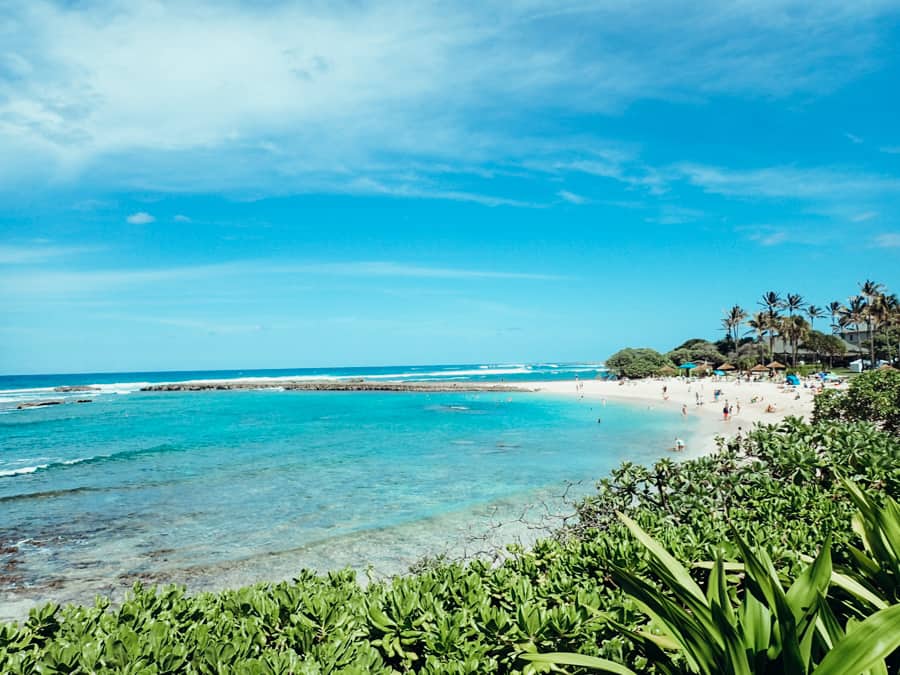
752 398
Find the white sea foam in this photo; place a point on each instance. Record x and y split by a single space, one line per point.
23 470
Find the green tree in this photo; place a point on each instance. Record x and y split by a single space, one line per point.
637 362
732 322
872 292
874 397
833 346
772 302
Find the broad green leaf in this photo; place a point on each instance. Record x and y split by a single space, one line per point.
868 644
572 659
673 567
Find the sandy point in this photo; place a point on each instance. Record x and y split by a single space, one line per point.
750 402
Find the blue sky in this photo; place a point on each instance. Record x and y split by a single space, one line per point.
301 184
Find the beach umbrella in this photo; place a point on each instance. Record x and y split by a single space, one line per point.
759 368
726 366
719 372
667 370
776 366
687 367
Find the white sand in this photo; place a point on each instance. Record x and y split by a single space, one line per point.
796 401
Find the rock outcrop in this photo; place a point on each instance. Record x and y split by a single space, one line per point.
351 385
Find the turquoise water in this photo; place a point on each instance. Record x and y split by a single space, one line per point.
215 489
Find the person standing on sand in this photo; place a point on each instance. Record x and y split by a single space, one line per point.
684 409
725 412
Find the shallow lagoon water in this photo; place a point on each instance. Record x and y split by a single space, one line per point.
215 489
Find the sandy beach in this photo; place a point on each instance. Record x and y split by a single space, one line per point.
750 400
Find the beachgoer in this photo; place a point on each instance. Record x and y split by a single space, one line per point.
684 410
725 412
679 445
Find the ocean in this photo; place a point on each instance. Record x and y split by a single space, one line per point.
216 489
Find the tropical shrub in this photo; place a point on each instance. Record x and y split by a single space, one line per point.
696 350
873 396
769 629
639 362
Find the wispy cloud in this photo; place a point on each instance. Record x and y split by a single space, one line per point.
853 138
393 269
140 218
54 282
571 197
888 240
770 238
891 149
863 217
39 252
181 218
316 95
787 182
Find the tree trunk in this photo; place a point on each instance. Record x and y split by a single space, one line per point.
871 343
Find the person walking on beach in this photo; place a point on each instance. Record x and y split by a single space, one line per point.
725 412
684 410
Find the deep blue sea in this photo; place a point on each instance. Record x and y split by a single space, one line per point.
220 488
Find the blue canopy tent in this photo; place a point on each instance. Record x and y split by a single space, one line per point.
793 379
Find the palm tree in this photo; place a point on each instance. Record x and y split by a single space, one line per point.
795 329
772 302
793 303
890 307
732 321
871 292
814 313
854 314
834 309
759 324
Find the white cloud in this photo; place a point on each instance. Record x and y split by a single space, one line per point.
863 217
278 97
571 197
56 283
140 218
888 240
768 236
787 182
181 218
853 138
38 252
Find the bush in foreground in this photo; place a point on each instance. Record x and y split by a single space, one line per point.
872 396
779 488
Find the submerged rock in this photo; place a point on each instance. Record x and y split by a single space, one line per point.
37 404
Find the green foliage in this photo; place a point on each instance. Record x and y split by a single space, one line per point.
640 362
873 396
780 485
696 350
751 625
